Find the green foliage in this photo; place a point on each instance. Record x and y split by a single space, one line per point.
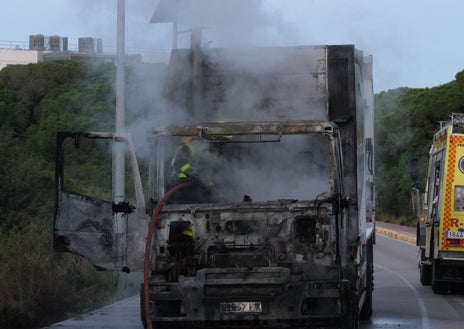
405 122
38 286
36 101
88 168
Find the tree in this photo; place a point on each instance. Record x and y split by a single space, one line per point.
405 122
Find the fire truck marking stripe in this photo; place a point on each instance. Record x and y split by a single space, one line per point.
453 142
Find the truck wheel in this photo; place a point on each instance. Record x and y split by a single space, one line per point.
456 288
425 270
426 275
366 310
438 287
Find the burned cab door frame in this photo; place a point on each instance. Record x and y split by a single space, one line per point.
87 226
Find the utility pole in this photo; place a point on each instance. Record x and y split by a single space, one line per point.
119 220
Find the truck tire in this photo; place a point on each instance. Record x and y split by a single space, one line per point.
425 270
426 275
456 288
438 287
366 310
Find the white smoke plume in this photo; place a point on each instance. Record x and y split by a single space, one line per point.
236 23
228 23
243 84
258 86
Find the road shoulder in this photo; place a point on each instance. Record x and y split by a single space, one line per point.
396 231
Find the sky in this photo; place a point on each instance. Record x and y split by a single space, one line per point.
414 43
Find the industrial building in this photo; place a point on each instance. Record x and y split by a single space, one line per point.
50 48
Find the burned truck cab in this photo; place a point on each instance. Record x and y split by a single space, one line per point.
264 249
268 219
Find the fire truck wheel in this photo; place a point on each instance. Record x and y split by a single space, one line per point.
426 275
457 288
438 287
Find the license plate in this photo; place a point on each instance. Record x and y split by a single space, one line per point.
454 235
241 307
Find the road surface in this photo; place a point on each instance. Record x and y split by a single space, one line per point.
124 314
400 301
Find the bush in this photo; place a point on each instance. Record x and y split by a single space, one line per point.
38 286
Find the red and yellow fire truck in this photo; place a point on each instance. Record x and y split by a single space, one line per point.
440 228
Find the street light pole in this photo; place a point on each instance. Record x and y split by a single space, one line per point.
120 69
119 221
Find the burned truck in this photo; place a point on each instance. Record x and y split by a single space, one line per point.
269 220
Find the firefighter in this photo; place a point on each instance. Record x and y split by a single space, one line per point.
181 164
184 165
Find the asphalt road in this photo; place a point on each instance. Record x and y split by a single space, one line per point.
124 314
400 301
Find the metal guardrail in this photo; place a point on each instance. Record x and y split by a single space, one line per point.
11 44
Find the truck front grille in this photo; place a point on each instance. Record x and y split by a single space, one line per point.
235 260
244 290
263 281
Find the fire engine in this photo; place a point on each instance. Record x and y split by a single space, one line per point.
440 207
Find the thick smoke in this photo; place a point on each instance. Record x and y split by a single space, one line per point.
238 84
225 23
229 23
242 81
296 167
263 84
236 23
286 167
266 84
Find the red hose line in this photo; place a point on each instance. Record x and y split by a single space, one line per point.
146 263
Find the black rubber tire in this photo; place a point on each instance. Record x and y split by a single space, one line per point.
438 287
426 275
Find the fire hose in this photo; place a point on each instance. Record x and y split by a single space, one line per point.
146 263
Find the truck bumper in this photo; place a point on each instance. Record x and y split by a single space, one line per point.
263 297
449 267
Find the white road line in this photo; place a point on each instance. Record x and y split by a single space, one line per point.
423 308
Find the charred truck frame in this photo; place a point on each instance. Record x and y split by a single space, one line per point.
281 232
